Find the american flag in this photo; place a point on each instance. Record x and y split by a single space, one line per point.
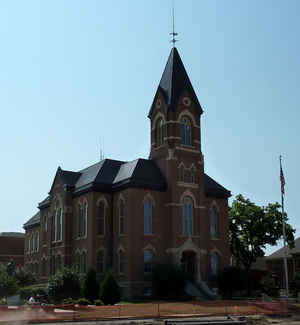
282 180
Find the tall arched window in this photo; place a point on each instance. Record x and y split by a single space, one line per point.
159 132
121 261
58 223
46 223
213 222
181 174
192 175
187 216
79 220
37 242
100 262
148 260
101 219
185 131
215 261
85 220
147 217
121 218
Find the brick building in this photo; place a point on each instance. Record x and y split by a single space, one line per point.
128 215
11 249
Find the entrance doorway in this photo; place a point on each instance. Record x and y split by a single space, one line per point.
188 263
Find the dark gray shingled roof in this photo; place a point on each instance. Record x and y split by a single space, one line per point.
280 252
12 234
173 82
212 188
33 221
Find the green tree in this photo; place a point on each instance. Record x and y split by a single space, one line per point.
8 285
91 286
252 228
64 284
110 292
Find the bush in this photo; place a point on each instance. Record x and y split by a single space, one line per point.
110 292
27 292
64 284
8 285
83 302
98 302
230 280
69 300
91 286
24 278
169 281
3 302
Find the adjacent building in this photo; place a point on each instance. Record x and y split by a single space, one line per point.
128 215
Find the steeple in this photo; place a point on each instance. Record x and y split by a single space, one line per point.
173 82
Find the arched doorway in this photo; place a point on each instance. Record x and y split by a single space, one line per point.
188 263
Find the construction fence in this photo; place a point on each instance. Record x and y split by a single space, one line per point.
145 310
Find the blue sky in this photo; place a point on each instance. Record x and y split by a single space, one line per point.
74 72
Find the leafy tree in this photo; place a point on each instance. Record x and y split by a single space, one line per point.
91 286
64 284
8 285
24 278
252 228
110 292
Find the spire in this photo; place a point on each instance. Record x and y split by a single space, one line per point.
174 40
173 82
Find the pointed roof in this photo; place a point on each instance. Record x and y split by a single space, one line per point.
173 82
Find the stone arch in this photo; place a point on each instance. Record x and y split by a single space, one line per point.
188 114
150 197
157 116
103 199
181 164
189 194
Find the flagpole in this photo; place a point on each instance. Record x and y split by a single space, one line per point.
283 231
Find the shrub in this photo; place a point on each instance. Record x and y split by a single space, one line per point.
169 281
3 302
91 286
98 302
27 292
110 292
83 302
24 278
8 285
231 279
69 301
64 284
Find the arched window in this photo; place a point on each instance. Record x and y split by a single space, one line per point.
32 243
121 261
101 219
213 222
37 242
147 260
85 220
215 261
147 217
181 174
46 223
192 175
187 216
159 132
58 223
185 131
100 262
121 218
53 227
79 220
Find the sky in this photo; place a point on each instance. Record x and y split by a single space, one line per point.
80 76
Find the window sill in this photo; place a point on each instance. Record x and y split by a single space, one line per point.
191 185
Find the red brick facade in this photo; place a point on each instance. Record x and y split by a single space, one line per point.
193 247
11 249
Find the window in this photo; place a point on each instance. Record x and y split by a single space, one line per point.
121 218
187 217
213 222
100 262
147 217
147 260
101 219
46 223
85 220
53 228
185 131
159 132
83 262
181 174
32 243
214 263
58 224
121 261
37 242
79 220
192 175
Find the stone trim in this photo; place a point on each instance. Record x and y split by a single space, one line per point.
188 185
188 149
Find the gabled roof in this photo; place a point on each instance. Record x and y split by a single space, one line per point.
173 82
214 189
280 252
33 221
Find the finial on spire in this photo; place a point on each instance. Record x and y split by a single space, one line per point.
173 40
